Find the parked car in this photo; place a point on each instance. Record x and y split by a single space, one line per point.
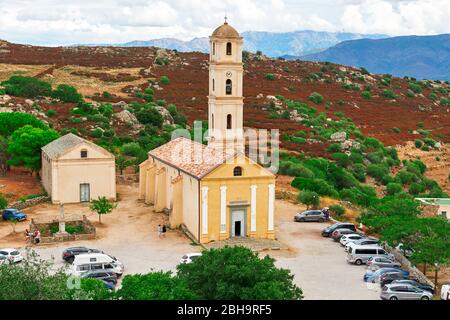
388 277
381 262
311 215
361 254
445 292
338 233
12 255
374 276
188 258
339 225
404 292
13 214
348 238
96 261
415 283
107 275
362 242
69 254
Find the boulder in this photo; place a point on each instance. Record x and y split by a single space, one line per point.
168 120
127 117
121 104
338 136
29 102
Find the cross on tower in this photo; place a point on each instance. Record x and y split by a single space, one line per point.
226 19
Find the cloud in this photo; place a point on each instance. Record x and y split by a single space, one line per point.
108 21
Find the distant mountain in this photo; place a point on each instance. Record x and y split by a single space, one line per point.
272 44
422 57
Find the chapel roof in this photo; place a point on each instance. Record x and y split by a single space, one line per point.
226 31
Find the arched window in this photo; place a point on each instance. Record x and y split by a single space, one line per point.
214 85
228 87
237 172
229 49
83 154
229 119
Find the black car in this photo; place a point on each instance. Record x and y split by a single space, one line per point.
340 225
388 277
106 275
70 253
415 283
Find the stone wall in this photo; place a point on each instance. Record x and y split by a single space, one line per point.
88 227
128 179
20 205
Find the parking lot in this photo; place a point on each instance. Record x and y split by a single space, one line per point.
130 234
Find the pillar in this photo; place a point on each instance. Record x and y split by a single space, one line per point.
160 190
253 189
176 216
223 213
271 209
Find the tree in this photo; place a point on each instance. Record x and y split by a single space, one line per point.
25 146
316 97
28 87
102 206
122 163
67 93
3 202
309 198
11 121
154 286
3 155
150 116
237 273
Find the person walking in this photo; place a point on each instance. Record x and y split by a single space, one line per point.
37 236
160 231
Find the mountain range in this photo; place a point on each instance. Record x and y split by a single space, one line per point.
272 44
422 57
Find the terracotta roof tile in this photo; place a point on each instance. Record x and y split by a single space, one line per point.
193 158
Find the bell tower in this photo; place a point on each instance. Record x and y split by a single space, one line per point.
225 98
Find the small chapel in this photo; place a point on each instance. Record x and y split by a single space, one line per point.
214 191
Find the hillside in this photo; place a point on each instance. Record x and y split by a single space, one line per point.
422 57
273 44
123 71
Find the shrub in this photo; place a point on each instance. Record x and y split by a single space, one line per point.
11 121
389 94
335 147
269 76
341 159
366 94
320 186
50 113
393 188
297 170
132 149
377 171
3 202
164 80
316 97
150 116
359 172
416 188
308 198
106 94
298 140
67 93
396 130
415 87
337 209
418 143
97 133
28 87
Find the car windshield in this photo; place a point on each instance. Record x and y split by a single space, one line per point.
184 257
15 253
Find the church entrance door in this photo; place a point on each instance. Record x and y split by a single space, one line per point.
238 223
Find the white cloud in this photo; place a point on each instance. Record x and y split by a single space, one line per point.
105 21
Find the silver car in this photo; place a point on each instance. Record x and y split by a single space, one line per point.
375 263
404 292
310 215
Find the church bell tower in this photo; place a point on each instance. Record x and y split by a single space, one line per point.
225 98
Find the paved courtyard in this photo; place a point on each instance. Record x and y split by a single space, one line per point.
130 234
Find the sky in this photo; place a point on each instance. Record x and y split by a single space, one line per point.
65 22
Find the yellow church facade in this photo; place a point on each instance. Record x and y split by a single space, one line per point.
214 191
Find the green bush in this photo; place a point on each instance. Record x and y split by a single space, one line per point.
66 93
377 171
418 143
132 149
319 186
316 97
393 188
3 202
97 133
335 147
415 87
366 94
416 188
338 210
28 87
396 130
269 76
11 121
106 94
309 198
389 94
50 113
359 172
150 116
164 80
342 160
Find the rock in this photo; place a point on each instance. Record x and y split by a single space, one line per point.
127 117
6 109
260 96
350 144
271 98
338 136
438 145
29 102
157 87
121 104
168 120
5 98
293 115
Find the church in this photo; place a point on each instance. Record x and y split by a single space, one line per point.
214 191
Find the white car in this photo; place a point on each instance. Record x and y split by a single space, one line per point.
445 292
12 255
188 258
96 261
347 238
